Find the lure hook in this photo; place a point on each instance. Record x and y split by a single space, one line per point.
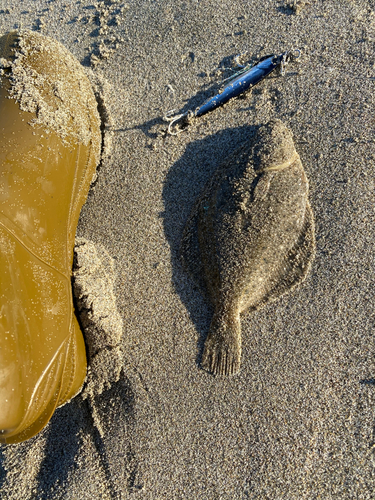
173 119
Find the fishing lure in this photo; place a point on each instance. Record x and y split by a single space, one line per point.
238 84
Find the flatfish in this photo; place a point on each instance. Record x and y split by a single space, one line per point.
250 237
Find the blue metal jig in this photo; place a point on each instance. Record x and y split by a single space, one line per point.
238 84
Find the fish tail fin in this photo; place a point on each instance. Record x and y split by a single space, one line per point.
222 348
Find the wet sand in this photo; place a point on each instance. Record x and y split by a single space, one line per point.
298 421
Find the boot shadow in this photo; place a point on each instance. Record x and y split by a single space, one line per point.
115 410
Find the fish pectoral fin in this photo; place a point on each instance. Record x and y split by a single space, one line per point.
294 270
262 186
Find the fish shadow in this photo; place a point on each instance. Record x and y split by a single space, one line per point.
182 188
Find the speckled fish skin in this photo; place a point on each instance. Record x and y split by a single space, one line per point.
250 238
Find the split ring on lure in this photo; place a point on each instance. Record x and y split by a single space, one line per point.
50 144
239 83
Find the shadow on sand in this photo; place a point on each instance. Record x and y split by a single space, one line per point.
115 410
71 428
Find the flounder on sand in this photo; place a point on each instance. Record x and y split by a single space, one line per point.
50 143
250 238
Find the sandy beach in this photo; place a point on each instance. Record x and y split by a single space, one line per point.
298 422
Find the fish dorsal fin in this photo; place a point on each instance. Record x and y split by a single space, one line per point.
294 269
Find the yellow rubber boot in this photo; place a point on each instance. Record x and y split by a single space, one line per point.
50 144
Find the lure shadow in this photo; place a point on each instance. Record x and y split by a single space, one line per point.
147 127
209 89
182 187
